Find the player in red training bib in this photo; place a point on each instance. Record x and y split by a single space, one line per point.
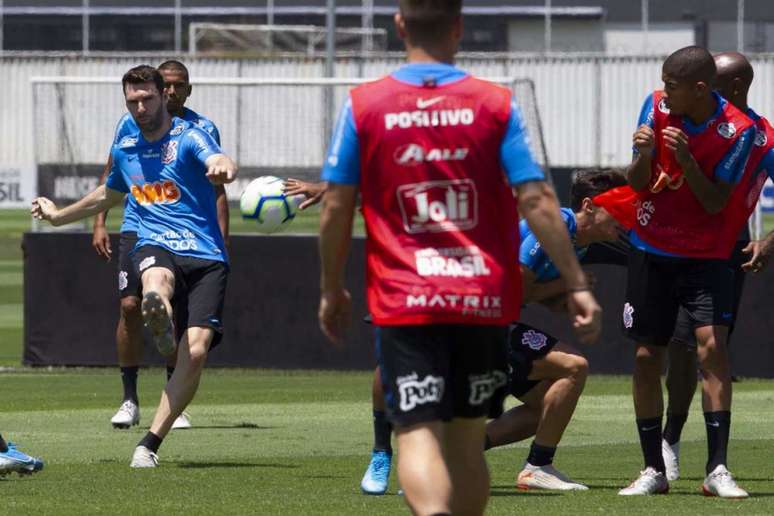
735 75
691 147
431 151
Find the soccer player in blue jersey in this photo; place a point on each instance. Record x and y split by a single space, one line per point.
735 76
546 375
13 460
129 339
168 166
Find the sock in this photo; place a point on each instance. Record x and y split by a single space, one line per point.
718 429
382 432
129 379
541 455
151 441
487 442
674 427
650 441
3 445
170 372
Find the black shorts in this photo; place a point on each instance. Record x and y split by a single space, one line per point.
658 286
200 288
525 345
129 284
684 327
441 372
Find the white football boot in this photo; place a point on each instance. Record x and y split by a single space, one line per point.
721 483
546 477
128 415
649 482
671 453
144 458
157 321
182 422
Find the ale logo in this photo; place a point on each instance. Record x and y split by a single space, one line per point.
159 192
438 206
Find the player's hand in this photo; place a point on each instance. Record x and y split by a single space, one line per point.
335 314
312 191
586 315
677 141
44 209
758 260
644 140
221 170
101 242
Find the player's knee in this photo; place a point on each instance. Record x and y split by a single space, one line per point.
130 307
578 368
198 353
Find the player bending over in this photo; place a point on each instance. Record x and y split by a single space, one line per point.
129 339
169 166
13 460
735 75
546 375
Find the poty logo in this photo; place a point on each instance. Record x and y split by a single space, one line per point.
645 211
760 138
437 206
435 118
412 154
160 192
727 130
534 340
413 392
484 386
628 315
662 106
169 152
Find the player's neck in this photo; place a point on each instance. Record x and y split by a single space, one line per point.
704 111
421 55
160 132
582 226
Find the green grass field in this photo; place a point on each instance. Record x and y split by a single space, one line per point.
279 442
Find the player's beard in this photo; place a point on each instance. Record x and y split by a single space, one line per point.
152 123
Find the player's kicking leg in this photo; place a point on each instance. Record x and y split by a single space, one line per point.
129 339
377 476
13 460
183 421
548 377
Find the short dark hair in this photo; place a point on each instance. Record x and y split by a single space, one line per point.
174 65
691 64
142 74
428 21
591 182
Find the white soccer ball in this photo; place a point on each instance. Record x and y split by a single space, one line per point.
264 202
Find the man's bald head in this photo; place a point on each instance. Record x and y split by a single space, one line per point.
734 77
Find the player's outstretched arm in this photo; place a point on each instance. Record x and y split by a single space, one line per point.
638 173
312 191
220 169
539 205
100 199
100 239
335 237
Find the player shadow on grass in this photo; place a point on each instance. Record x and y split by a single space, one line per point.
510 490
202 465
237 426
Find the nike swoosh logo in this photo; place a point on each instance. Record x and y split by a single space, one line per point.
422 103
649 428
714 423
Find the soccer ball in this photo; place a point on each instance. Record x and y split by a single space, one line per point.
264 202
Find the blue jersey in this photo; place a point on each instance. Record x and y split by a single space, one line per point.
730 169
174 200
127 126
533 256
766 165
343 160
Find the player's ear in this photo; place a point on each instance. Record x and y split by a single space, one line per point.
400 25
737 86
458 29
188 90
587 205
701 88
